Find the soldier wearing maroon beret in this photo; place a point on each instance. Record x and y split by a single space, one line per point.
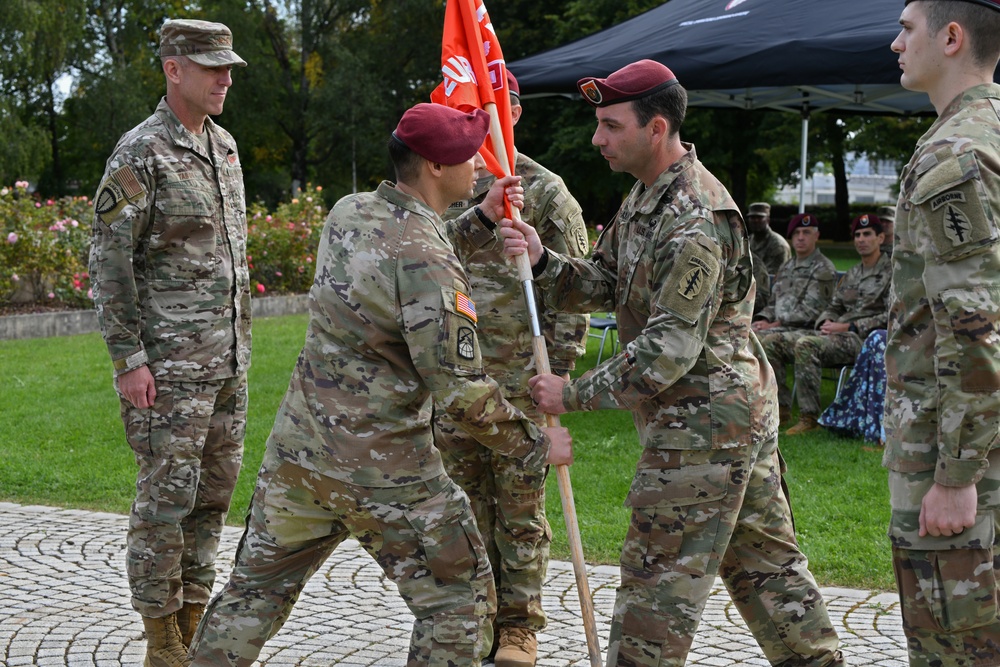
392 328
942 357
508 498
674 264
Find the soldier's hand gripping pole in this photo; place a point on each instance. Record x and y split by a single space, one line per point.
542 364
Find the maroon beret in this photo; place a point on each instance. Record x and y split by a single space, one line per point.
442 134
866 221
512 84
992 4
631 82
802 220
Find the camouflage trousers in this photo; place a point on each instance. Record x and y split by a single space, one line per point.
810 352
948 586
422 535
696 514
508 501
189 447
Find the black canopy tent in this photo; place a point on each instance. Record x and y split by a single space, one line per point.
789 55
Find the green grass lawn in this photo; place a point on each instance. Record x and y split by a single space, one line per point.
62 444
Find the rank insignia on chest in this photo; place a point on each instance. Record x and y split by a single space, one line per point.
465 306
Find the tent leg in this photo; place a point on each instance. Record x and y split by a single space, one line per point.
802 163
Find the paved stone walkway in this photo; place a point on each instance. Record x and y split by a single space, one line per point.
64 602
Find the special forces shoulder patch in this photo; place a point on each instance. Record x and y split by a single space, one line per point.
118 189
691 282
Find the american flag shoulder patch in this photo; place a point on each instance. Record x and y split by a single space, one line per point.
465 306
126 180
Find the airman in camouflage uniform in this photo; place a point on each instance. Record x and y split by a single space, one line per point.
509 501
942 409
859 306
172 291
767 248
707 494
391 325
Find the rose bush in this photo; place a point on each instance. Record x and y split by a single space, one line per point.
281 246
45 246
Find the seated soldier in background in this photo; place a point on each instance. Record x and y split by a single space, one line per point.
887 214
859 305
800 292
768 251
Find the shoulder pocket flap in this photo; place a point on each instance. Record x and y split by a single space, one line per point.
949 172
684 486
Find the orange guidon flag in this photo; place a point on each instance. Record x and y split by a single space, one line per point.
475 73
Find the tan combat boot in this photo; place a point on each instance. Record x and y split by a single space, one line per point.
518 648
187 621
163 643
806 423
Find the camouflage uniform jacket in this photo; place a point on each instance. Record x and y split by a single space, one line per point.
168 254
801 290
861 298
390 327
504 332
675 266
771 249
943 352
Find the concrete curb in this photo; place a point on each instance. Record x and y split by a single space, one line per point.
72 322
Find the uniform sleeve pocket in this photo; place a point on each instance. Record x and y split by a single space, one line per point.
975 324
948 196
460 352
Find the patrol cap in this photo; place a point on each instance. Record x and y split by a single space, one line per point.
631 82
992 4
761 208
802 220
515 89
206 43
866 221
887 213
441 134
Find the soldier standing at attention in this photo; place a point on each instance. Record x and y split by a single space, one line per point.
942 409
172 290
507 498
801 291
859 306
707 494
769 251
391 327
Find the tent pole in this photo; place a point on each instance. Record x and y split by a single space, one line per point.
803 160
